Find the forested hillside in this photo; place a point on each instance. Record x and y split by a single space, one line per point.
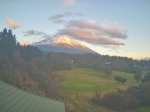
22 66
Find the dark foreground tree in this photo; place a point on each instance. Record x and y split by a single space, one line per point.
7 42
137 77
147 77
121 80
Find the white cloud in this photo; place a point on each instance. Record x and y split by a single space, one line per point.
69 2
93 32
12 24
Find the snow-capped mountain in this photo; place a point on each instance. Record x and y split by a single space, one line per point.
62 44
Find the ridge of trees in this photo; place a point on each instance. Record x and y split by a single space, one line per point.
133 97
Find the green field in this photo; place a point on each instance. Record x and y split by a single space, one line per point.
79 85
85 80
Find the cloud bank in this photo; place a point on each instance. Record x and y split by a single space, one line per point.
12 24
94 33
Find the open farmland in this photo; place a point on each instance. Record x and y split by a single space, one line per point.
85 80
79 85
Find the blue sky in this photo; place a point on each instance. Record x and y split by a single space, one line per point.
115 27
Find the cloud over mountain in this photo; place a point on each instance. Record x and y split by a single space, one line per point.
12 24
93 32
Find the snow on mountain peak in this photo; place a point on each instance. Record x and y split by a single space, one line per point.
65 39
63 43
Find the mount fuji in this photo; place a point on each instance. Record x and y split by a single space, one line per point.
62 44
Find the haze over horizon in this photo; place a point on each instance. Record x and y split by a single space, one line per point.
110 27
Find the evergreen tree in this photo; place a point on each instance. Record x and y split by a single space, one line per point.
121 80
7 42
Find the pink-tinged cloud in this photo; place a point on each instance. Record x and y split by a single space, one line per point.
69 2
27 42
95 33
12 24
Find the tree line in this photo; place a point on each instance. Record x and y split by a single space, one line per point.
133 97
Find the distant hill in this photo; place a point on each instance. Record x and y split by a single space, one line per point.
63 44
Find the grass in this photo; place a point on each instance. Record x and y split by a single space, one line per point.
143 109
129 76
85 79
79 85
83 85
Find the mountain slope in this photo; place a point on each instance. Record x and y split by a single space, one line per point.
63 44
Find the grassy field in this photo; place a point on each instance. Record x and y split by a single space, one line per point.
85 80
79 85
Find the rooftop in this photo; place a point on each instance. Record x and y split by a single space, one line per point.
13 99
